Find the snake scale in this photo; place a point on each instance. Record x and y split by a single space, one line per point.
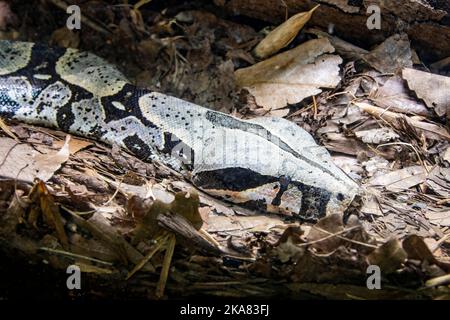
267 164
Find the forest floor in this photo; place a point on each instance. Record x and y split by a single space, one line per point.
373 111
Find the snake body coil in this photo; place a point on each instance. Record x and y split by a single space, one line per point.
268 164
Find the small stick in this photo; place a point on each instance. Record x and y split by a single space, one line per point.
161 240
166 266
438 281
347 239
441 241
331 235
7 130
209 237
74 255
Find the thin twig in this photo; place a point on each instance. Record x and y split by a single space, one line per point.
409 145
441 241
74 255
7 130
160 241
327 237
166 266
347 239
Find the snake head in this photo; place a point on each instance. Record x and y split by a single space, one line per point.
278 194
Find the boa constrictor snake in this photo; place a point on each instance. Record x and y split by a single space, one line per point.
269 164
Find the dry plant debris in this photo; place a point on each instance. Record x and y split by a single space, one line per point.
385 120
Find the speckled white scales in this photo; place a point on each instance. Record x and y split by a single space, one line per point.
269 163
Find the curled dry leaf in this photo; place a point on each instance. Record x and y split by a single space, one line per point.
185 204
400 180
440 65
372 207
281 36
344 48
321 234
5 128
439 181
237 225
446 156
292 76
431 88
417 249
48 164
20 161
44 204
388 257
377 136
65 38
430 130
15 160
75 144
439 218
286 249
394 95
392 55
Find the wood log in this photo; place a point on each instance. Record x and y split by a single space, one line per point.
426 23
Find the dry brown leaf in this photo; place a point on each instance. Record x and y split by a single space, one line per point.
394 95
372 207
240 224
440 218
338 142
20 161
431 88
446 156
7 130
292 76
400 180
375 165
392 55
48 164
15 160
439 181
344 48
417 249
42 198
377 136
321 231
286 248
388 257
282 35
65 38
430 130
75 144
440 65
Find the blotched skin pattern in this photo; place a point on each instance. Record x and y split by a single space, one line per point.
269 164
